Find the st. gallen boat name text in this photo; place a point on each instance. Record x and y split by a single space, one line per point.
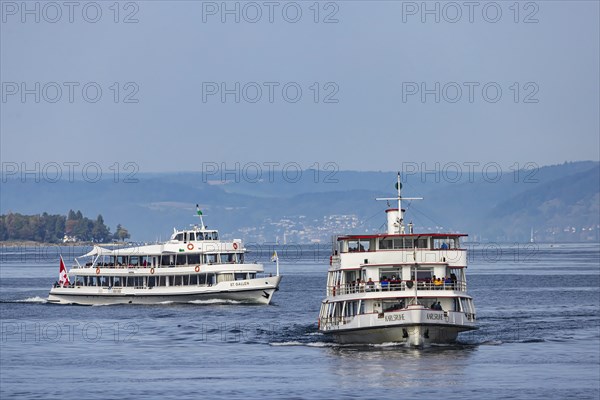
194 265
398 286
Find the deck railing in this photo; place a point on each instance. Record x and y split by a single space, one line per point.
367 287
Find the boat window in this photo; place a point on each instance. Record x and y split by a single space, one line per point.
224 277
211 258
358 245
239 258
393 305
167 259
192 236
351 276
194 259
402 243
215 236
443 243
240 276
423 274
179 237
350 308
391 274
252 275
227 258
133 260
181 259
385 244
364 245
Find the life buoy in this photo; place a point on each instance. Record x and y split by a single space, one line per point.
197 269
235 246
152 271
190 246
97 271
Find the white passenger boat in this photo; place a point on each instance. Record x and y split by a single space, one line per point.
398 286
194 265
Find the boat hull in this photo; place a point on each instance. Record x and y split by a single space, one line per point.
415 326
412 335
252 293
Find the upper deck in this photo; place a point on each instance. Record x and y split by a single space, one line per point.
355 251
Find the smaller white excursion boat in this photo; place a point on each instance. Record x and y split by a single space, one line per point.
194 265
398 286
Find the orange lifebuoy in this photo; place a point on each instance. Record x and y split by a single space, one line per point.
197 269
97 271
152 271
235 246
190 246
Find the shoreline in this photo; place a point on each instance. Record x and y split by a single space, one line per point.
31 243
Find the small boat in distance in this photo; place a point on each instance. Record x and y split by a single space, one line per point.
194 265
397 286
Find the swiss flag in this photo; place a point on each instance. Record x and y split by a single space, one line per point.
63 278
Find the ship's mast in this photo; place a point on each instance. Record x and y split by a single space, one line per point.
202 227
396 217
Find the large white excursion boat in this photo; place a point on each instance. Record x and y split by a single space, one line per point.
397 286
194 265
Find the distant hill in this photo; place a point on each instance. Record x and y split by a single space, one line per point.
560 203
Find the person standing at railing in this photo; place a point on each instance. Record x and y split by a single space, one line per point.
361 285
370 285
385 283
448 284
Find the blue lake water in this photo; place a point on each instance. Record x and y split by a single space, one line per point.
539 338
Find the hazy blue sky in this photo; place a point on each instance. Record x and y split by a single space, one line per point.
375 61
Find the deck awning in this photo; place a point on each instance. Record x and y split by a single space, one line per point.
154 249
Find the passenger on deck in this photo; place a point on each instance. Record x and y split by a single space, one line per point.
385 283
361 285
438 282
448 282
370 285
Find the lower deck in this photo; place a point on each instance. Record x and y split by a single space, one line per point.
258 290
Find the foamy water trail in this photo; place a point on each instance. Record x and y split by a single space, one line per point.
36 299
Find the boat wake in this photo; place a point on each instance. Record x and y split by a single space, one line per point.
36 299
307 344
215 301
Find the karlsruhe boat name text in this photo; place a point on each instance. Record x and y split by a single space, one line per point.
402 317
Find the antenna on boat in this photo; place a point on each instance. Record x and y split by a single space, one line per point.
199 212
396 216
